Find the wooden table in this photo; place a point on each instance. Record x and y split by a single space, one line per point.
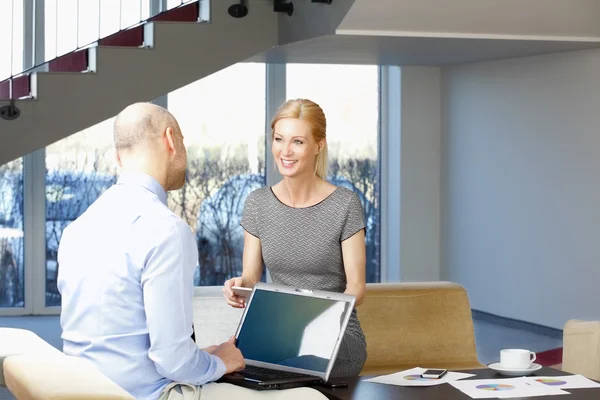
359 390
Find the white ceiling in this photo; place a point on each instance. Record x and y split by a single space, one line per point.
548 18
397 50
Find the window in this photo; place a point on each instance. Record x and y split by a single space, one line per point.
12 277
78 170
349 96
223 120
11 45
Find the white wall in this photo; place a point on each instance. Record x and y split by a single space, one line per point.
420 176
522 194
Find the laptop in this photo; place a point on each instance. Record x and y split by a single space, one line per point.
290 337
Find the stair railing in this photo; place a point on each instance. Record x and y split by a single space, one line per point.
42 31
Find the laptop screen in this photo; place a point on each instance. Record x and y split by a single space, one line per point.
291 330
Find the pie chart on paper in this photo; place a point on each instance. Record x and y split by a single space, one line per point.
551 382
495 387
418 378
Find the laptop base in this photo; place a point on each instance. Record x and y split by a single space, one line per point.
275 384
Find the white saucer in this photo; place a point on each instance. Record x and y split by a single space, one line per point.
514 372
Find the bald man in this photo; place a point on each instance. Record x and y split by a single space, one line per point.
126 270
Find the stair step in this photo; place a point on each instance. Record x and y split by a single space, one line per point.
5 90
133 37
186 13
21 88
76 61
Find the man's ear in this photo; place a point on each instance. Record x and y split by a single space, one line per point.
170 140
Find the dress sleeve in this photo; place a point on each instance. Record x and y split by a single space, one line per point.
355 219
250 215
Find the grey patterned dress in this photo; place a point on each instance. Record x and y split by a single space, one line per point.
301 247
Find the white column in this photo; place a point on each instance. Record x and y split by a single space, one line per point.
35 229
275 97
390 159
420 174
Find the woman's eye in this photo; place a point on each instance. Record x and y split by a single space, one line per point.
278 139
298 142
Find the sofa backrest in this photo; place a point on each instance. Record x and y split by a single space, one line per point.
425 324
581 348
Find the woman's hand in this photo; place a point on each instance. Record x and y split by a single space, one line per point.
232 299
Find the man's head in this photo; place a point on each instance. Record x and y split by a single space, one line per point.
148 139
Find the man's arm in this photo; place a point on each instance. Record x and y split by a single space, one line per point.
168 290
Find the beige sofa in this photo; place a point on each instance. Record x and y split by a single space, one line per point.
21 341
417 324
581 348
214 320
406 325
34 370
36 377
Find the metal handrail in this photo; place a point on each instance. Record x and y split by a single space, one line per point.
168 5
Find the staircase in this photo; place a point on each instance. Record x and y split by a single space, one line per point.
173 49
142 63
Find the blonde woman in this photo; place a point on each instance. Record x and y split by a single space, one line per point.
309 233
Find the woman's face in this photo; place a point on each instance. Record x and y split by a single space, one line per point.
294 147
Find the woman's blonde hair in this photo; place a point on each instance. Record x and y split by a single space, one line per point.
310 112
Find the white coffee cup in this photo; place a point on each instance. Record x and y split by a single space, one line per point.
516 358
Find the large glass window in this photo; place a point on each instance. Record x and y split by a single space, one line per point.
223 120
12 282
78 170
225 141
349 96
11 45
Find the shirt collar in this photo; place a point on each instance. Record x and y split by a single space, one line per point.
146 181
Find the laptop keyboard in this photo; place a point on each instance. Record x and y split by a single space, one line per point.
268 374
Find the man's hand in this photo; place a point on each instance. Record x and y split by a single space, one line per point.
231 356
210 349
230 297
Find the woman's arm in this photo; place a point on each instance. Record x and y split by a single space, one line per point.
354 256
252 266
252 262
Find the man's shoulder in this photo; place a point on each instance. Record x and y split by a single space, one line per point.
162 221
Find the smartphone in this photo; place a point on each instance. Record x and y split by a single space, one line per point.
242 292
434 373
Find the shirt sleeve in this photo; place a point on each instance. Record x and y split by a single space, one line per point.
167 284
250 216
355 218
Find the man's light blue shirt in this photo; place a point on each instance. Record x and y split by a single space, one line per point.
126 271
